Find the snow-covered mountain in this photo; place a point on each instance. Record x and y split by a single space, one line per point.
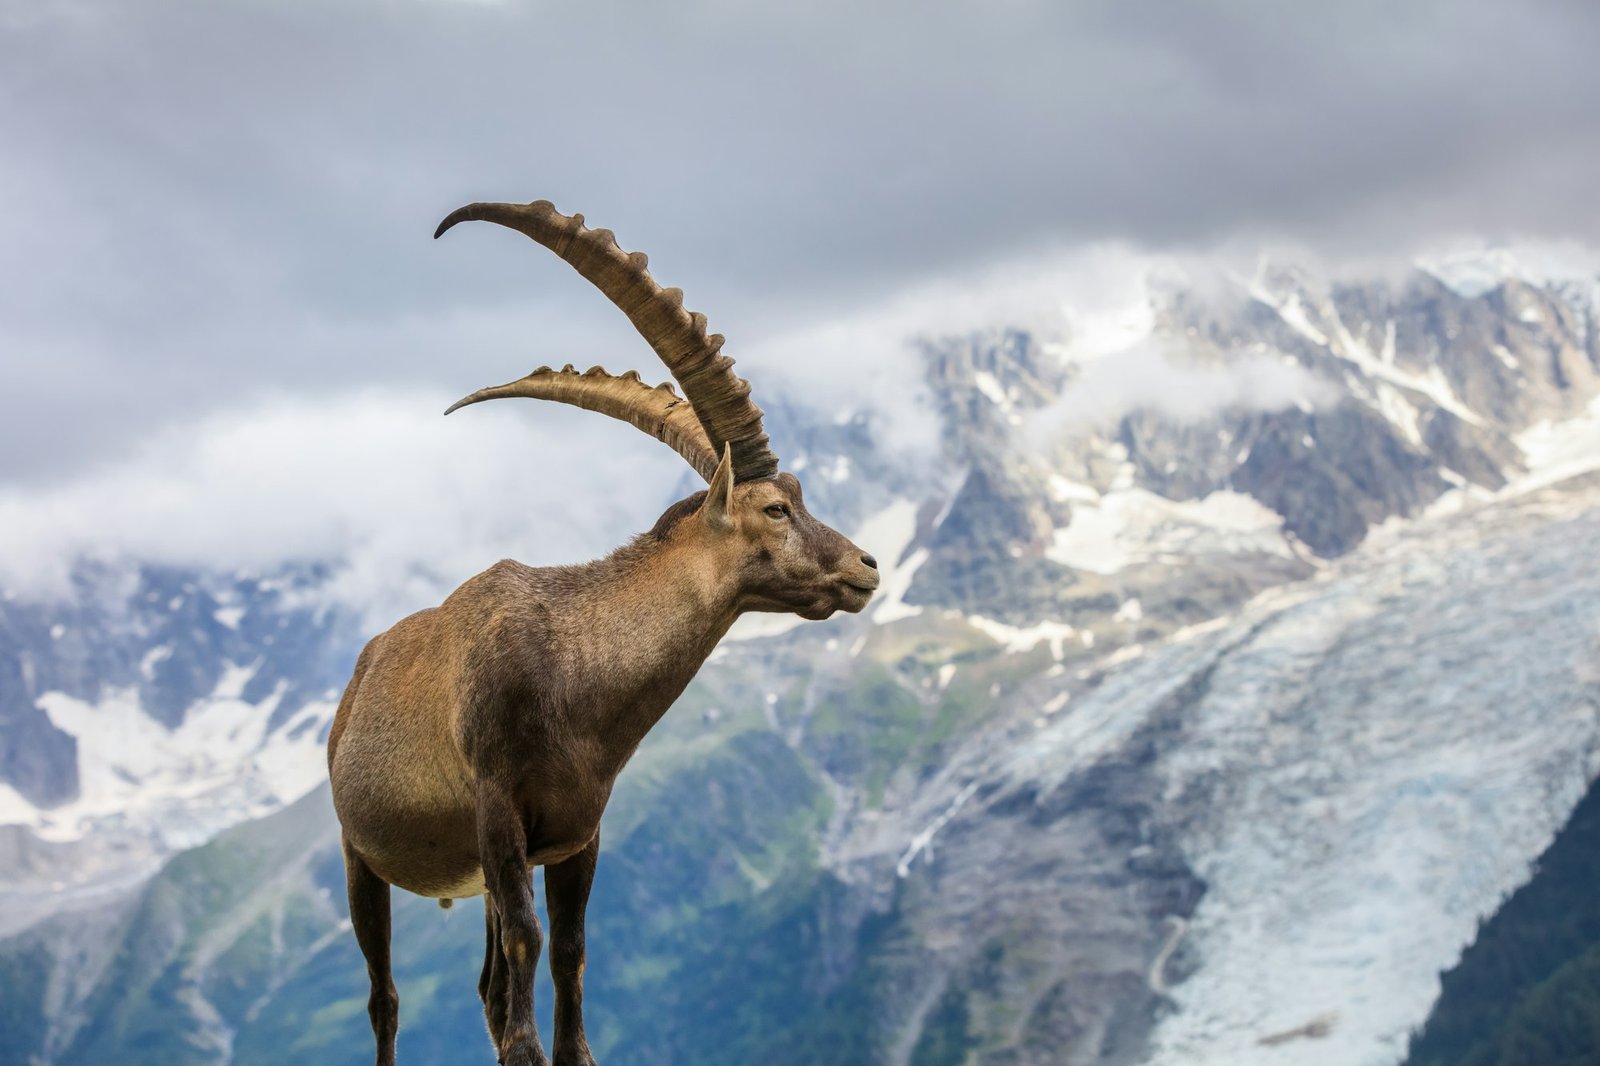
153 710
1200 728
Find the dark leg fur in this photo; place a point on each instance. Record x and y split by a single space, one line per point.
503 850
492 982
369 915
566 887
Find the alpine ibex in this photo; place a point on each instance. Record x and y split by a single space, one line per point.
481 738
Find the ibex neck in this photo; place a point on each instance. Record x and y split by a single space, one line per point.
648 620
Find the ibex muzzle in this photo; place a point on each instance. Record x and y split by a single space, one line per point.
481 738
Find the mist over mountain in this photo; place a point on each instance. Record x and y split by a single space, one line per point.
1238 651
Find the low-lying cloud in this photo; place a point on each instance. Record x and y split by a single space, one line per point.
870 358
408 503
1155 377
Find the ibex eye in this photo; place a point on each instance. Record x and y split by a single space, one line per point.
778 510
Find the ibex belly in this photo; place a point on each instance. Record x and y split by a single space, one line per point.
427 858
416 834
416 823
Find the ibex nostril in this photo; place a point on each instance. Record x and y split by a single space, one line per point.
870 561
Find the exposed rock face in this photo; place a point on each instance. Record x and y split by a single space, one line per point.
1413 390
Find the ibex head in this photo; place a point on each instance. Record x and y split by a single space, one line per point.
752 520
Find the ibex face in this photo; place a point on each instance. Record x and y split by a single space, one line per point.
783 558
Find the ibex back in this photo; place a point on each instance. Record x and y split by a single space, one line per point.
481 738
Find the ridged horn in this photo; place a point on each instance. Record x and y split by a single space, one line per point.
719 398
658 411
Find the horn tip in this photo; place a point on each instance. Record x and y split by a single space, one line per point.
466 400
460 214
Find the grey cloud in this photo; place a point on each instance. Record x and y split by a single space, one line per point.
202 202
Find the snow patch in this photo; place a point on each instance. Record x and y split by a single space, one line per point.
1559 450
989 385
896 583
1017 639
14 808
152 659
922 843
217 768
1110 326
230 686
1433 384
1399 412
1131 526
1294 315
1471 275
1071 491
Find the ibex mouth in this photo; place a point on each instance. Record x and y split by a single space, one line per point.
856 594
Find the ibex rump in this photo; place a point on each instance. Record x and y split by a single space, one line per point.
481 738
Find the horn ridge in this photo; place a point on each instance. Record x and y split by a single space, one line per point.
656 410
678 337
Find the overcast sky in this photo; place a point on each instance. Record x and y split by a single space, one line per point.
218 210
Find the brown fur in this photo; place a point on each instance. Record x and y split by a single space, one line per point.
480 738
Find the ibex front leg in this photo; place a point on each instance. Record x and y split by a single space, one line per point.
566 887
503 850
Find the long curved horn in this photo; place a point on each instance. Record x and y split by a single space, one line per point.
658 411
720 399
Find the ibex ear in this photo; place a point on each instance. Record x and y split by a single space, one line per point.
718 508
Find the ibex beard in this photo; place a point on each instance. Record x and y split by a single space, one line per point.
481 738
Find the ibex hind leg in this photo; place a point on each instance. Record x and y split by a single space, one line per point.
369 916
503 850
492 981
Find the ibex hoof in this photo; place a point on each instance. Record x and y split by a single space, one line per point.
574 1057
525 1055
